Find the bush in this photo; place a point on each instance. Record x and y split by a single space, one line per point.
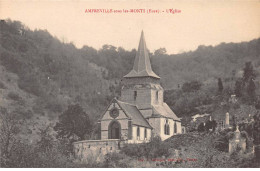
14 96
155 148
115 160
2 85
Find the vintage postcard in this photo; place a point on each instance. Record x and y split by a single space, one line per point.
129 84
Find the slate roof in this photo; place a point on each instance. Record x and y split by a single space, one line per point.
165 111
142 65
132 112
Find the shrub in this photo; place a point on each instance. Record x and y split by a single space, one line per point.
14 96
115 160
2 85
155 148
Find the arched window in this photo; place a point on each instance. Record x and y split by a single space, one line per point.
145 133
138 131
157 96
175 127
166 128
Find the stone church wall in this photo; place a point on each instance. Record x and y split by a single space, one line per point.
154 98
141 137
156 124
143 98
95 150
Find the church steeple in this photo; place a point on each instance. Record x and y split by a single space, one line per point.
142 65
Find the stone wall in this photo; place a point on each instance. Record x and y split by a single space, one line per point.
143 98
95 150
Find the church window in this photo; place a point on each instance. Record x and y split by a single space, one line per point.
145 133
157 96
166 128
175 127
138 131
135 95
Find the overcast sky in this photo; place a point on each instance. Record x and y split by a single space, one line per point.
199 23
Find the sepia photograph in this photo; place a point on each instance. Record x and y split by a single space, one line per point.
129 84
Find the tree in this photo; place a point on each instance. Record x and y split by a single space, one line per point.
249 72
201 127
256 128
9 128
251 89
238 88
220 85
210 125
192 86
74 121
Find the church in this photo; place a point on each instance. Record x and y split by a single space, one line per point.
140 113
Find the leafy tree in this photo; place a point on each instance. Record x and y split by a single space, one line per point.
257 105
201 127
220 85
9 128
256 128
251 90
238 88
210 125
192 86
249 72
74 121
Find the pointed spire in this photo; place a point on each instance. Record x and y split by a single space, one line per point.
142 65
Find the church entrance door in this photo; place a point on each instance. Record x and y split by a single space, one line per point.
114 130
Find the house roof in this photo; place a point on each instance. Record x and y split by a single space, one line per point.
142 65
133 113
165 111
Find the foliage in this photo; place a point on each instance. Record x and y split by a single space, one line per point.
9 128
245 86
201 127
14 96
115 160
192 86
2 85
74 121
256 128
155 148
46 153
210 125
249 72
220 85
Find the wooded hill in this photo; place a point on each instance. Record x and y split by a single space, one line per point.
40 75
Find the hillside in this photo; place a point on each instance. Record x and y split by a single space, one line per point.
40 75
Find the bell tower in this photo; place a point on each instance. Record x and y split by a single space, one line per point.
141 86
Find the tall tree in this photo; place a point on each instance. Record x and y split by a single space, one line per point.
238 88
74 121
9 128
251 90
220 85
249 72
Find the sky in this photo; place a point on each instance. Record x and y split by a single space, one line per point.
199 22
